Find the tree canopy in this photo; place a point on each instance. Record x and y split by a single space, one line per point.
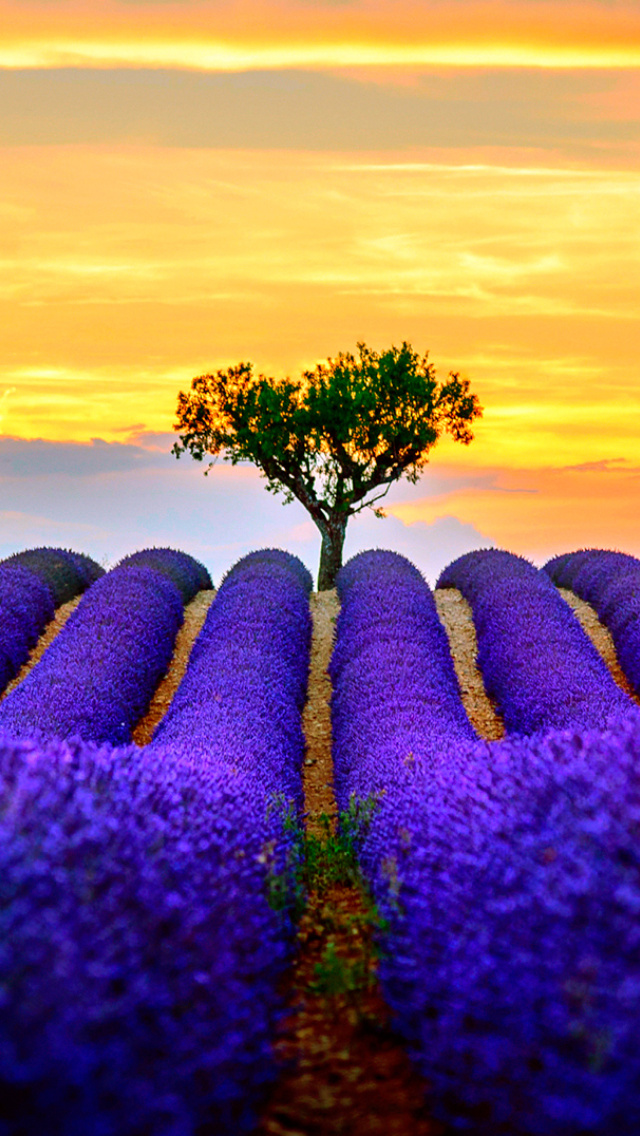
336 438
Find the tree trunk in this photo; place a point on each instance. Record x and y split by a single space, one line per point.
333 533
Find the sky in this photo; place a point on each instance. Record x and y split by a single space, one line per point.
186 185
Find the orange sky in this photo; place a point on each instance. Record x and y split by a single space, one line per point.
252 33
336 187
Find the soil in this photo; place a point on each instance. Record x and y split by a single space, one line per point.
195 614
600 637
457 620
344 1071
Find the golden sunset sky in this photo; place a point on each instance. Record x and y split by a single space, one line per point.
185 185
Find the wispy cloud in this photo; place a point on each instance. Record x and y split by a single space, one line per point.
250 34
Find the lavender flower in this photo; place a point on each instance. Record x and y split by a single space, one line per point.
610 582
32 585
507 872
509 876
241 697
65 573
536 661
26 606
188 575
147 892
139 956
97 677
396 698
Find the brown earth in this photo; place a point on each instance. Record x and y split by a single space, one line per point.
195 614
344 1071
600 637
457 620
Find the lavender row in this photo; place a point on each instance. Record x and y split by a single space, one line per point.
97 677
139 956
509 880
66 574
610 582
507 874
147 929
240 700
32 585
395 692
535 659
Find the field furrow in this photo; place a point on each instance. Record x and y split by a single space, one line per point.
371 866
52 628
505 871
97 676
33 585
536 661
344 1071
610 582
195 614
600 636
457 619
148 892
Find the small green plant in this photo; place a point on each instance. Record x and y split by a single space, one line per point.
312 864
332 859
335 975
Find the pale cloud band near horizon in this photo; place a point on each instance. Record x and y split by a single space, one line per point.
248 35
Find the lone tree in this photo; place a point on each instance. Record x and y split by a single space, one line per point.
337 438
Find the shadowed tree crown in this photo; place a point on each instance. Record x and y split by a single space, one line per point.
336 438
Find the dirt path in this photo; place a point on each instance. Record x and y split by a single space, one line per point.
455 616
600 637
195 614
344 1070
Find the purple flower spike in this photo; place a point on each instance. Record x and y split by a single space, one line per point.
241 697
396 700
536 661
97 677
65 573
147 914
610 582
507 874
139 955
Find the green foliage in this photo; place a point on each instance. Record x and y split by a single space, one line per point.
336 438
351 426
312 866
315 863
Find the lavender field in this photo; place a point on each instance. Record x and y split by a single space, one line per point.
151 895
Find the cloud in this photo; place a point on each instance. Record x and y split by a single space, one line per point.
250 34
37 458
108 500
320 111
544 511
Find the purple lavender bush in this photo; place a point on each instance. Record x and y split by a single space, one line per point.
26 606
509 877
32 584
65 573
97 677
610 582
241 697
396 698
506 877
188 574
148 892
139 955
536 661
